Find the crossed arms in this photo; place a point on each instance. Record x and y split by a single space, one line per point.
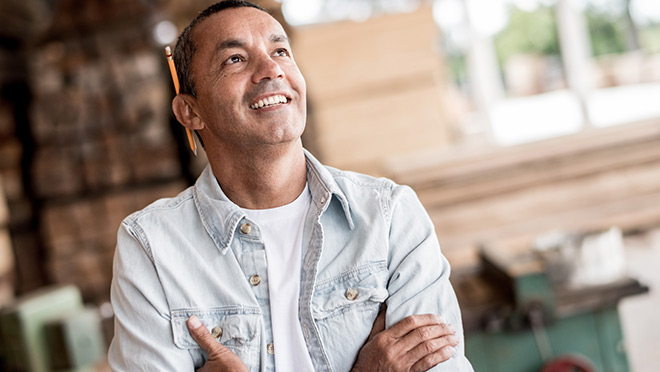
416 343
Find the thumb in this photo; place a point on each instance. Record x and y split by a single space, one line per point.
205 339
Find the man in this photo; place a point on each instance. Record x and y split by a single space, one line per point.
271 260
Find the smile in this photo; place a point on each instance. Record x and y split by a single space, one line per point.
269 101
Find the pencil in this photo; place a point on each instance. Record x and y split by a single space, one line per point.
175 80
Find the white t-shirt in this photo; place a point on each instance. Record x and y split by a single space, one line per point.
282 231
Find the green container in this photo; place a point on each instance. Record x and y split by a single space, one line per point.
595 337
75 341
50 330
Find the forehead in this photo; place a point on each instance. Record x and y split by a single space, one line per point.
243 24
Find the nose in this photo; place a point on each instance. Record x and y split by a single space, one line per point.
266 69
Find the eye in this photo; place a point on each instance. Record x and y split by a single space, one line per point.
282 52
233 59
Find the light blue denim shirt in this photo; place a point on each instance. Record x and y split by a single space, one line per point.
366 241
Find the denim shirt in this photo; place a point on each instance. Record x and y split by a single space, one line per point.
366 241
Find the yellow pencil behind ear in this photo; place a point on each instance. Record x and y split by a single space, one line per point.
175 80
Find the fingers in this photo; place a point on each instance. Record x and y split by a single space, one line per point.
416 343
426 347
407 324
429 344
204 338
433 359
419 336
379 322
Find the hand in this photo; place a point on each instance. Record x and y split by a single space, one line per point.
220 359
416 343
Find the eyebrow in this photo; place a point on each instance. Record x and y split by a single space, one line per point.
236 43
279 38
227 44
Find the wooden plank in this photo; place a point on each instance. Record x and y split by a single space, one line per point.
508 197
389 48
630 215
547 200
374 87
439 164
487 184
352 136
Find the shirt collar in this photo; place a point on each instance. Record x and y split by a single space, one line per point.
323 187
220 216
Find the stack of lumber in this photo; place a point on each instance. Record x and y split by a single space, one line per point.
18 19
102 144
506 197
80 235
374 88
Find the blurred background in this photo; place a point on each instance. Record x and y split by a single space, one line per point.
530 130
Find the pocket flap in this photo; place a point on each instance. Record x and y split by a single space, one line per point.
239 326
362 286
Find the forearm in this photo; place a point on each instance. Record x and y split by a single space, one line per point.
419 273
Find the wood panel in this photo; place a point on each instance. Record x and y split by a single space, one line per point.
344 57
372 128
375 88
509 196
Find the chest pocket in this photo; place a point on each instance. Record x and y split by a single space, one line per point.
237 329
344 309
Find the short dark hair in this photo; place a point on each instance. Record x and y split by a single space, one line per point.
185 46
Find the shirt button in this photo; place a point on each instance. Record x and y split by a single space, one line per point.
216 331
270 348
323 200
351 294
255 280
246 228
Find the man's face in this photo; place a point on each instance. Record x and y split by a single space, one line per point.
249 89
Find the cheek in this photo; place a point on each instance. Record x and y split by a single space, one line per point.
228 101
297 80
302 84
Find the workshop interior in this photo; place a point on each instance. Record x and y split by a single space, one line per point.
529 129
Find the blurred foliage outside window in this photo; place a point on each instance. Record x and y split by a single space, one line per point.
622 50
535 33
528 32
608 31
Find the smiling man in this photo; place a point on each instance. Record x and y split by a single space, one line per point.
272 261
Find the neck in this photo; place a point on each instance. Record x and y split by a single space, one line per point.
266 178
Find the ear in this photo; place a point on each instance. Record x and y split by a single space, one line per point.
184 109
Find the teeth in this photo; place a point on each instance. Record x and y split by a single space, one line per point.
272 100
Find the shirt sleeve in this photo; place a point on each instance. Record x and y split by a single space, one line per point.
143 339
419 272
